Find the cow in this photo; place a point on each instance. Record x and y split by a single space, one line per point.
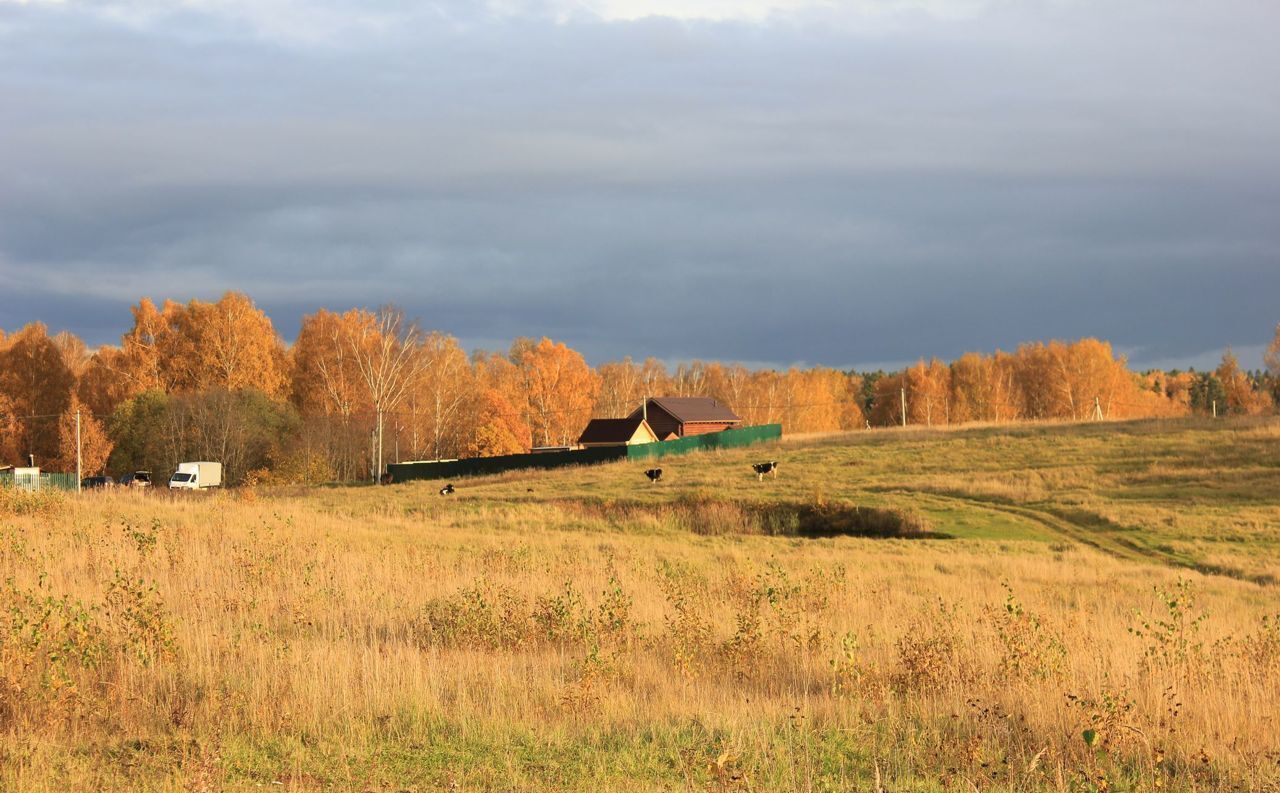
447 490
654 474
761 469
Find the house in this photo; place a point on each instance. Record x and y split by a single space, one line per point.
617 432
686 416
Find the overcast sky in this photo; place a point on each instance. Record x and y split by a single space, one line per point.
770 181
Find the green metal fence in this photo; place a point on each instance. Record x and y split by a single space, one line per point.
479 466
728 439
45 480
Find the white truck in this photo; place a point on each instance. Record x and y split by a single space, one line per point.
196 476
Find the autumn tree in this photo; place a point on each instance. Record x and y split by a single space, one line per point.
975 385
443 387
94 445
887 400
496 427
730 384
103 383
621 389
765 398
230 344
559 387
329 391
388 356
690 379
326 379
146 358
928 393
37 386
494 372
1241 396
1177 388
75 355
10 429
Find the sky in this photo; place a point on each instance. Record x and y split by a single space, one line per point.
775 182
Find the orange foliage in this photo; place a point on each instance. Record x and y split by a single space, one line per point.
1241 396
36 382
497 427
437 400
559 387
326 379
230 344
95 446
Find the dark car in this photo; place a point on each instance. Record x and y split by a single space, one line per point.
90 482
136 479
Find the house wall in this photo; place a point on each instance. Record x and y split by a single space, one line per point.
662 422
703 427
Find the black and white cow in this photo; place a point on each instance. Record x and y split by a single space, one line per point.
761 469
654 474
447 490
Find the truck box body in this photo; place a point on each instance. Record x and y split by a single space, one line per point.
196 476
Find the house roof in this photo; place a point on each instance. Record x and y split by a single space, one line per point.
612 430
688 409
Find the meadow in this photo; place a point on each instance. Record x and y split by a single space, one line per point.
1066 607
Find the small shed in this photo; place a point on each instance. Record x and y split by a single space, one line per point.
617 432
685 416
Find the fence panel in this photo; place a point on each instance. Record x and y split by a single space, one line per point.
479 466
728 439
33 482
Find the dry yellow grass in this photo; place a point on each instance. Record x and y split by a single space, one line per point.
390 639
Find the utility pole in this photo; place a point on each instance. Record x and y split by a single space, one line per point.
79 458
1215 408
904 406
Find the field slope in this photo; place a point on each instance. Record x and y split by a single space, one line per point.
1064 607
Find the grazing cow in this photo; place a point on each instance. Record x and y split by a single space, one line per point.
654 474
761 469
447 490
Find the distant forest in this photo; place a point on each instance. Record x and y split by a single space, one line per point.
216 381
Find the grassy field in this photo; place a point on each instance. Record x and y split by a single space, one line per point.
1084 607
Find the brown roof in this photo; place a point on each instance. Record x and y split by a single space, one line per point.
611 430
688 409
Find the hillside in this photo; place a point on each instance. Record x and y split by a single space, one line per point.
1057 607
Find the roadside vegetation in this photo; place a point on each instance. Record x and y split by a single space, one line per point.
1056 607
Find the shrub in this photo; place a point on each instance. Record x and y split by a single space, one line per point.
14 501
1029 648
487 615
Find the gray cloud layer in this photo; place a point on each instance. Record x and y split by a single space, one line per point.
821 186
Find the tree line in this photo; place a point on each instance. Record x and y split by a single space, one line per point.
355 389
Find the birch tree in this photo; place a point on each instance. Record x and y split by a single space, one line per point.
388 356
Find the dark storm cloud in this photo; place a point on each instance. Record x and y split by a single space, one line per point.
827 187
